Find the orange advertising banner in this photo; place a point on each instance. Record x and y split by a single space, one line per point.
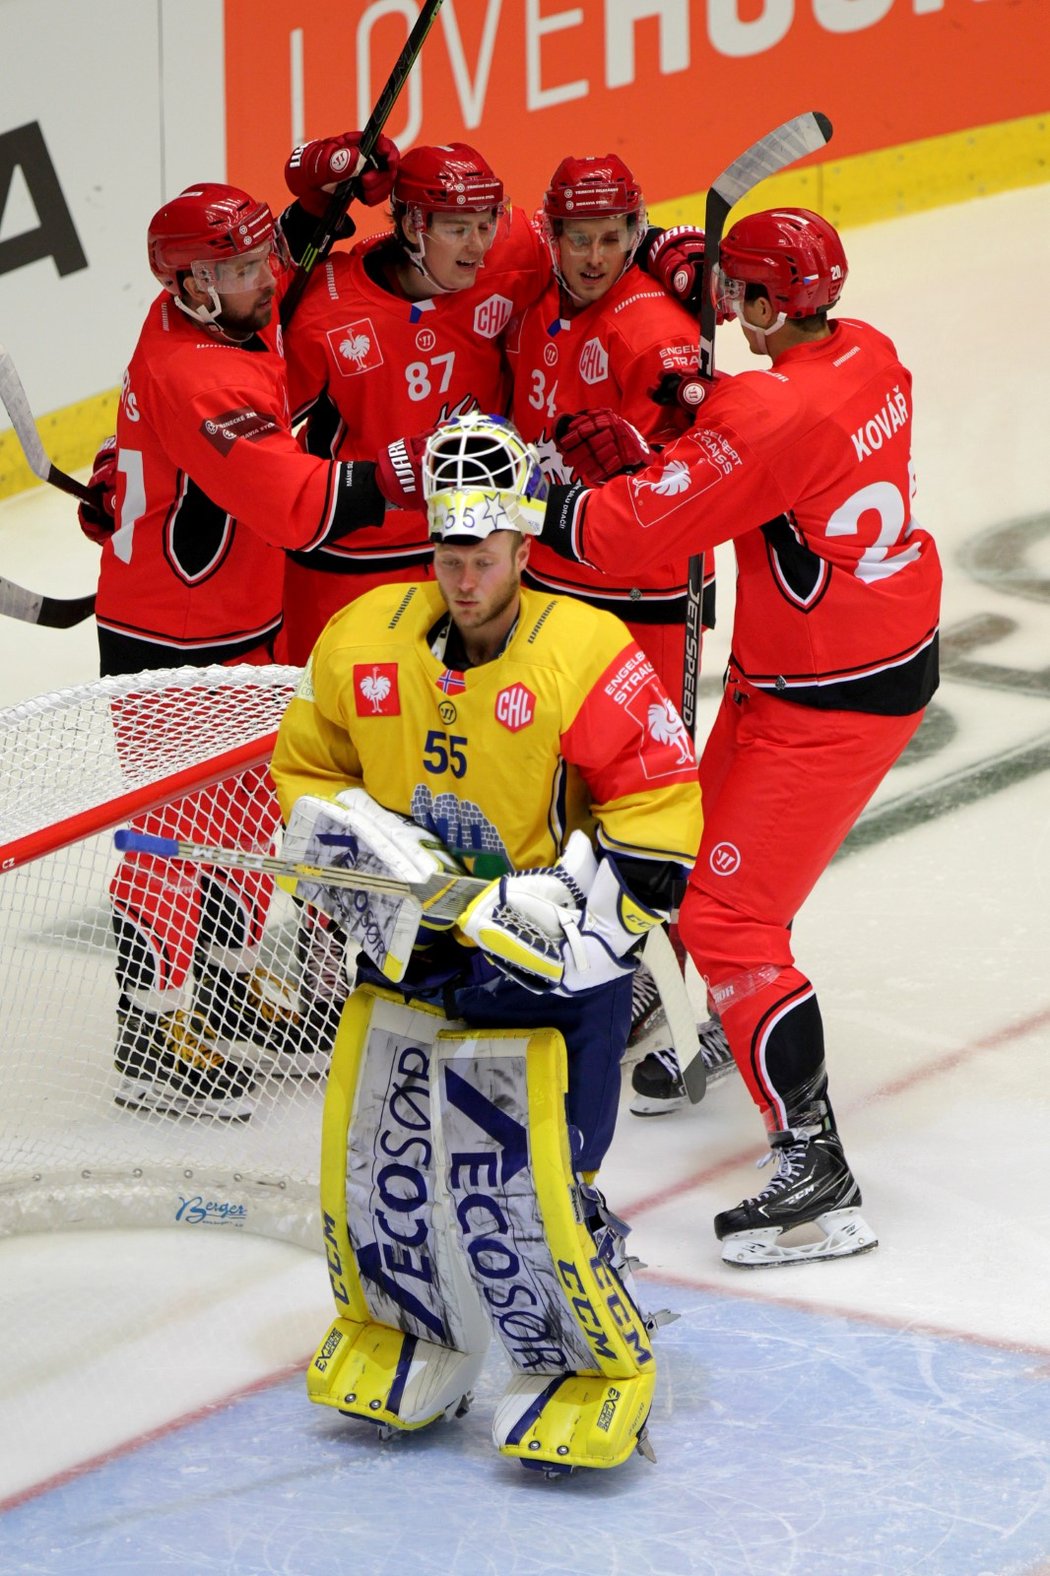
676 87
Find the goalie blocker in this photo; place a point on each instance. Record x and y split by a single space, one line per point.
451 1210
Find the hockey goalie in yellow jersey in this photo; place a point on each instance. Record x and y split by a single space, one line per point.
472 726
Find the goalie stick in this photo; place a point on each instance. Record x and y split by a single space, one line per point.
443 896
772 153
320 243
16 404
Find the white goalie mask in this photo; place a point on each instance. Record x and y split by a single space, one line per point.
480 476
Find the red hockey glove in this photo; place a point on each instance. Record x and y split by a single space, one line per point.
399 471
98 519
688 391
675 259
314 169
599 444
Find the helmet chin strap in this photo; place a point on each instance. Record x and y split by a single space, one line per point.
417 257
209 318
759 335
201 314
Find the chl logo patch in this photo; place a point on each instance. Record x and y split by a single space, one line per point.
515 707
594 362
355 347
492 316
376 685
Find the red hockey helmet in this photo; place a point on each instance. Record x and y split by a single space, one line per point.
580 188
206 224
794 253
450 178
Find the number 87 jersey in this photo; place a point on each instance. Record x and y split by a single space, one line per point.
807 469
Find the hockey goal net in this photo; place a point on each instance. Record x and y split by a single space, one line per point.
179 747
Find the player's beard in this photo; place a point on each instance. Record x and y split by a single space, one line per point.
241 325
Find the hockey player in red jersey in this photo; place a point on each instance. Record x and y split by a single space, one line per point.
208 486
807 468
393 337
603 334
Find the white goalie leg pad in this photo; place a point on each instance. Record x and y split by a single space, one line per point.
354 832
584 1365
410 1336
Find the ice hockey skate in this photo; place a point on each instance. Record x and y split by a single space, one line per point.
657 1079
171 1063
813 1187
256 1009
649 1027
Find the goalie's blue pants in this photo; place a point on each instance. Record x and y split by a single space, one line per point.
594 1026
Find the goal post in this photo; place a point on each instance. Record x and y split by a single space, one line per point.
163 750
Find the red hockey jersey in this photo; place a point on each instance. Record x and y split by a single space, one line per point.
211 485
807 467
611 353
367 366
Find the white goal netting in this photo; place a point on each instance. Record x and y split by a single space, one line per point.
181 752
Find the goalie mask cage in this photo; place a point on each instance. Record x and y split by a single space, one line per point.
147 749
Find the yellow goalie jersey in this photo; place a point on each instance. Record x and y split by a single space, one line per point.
568 727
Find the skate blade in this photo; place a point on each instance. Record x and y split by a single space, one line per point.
132 1096
648 1105
845 1234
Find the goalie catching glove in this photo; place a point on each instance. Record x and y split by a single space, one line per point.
354 832
566 928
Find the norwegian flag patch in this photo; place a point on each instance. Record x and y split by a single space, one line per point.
451 682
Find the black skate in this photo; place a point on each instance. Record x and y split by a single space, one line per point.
813 1186
649 1027
257 1009
170 1063
657 1080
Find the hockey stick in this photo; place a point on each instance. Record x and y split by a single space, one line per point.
51 612
16 404
659 958
443 897
320 243
768 156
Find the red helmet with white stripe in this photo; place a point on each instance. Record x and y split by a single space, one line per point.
795 254
581 188
206 224
451 178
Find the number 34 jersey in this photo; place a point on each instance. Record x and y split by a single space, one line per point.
569 727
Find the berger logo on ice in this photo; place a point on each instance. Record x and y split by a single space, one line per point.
199 1211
